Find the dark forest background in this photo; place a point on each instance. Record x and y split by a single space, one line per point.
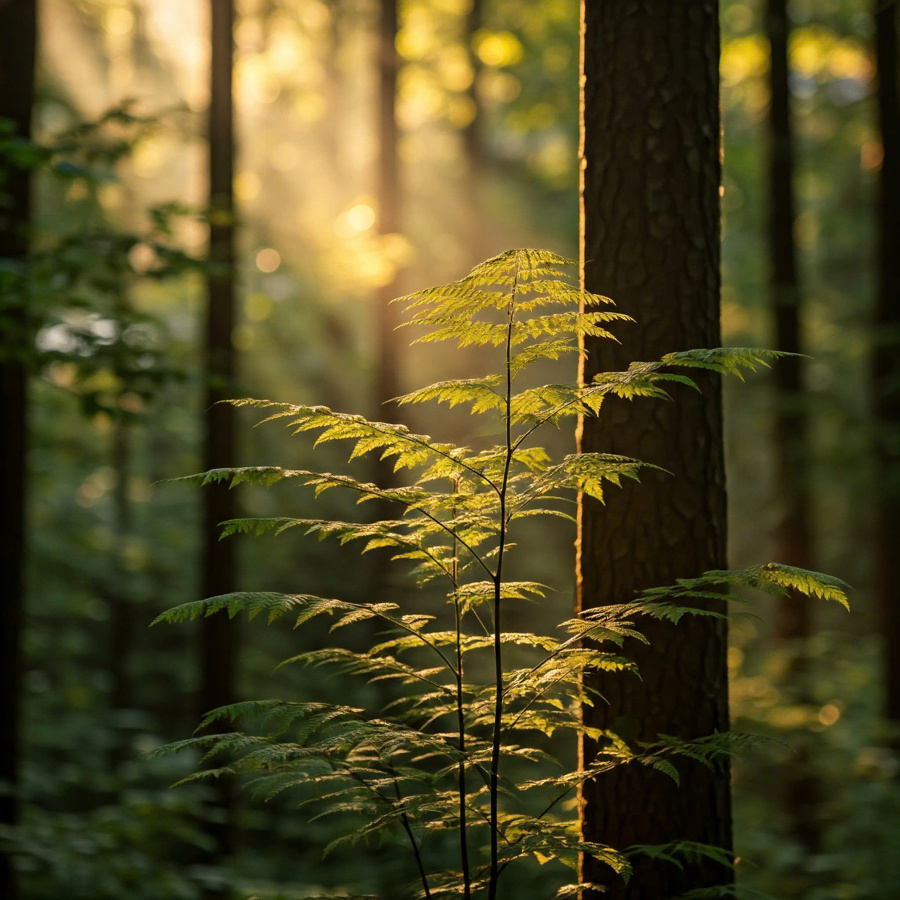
361 173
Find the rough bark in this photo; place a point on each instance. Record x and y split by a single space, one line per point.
886 362
217 685
650 239
18 36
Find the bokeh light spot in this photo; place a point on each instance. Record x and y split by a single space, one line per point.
268 259
361 217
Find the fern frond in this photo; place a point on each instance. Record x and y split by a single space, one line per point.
679 852
253 603
481 393
772 578
584 472
725 360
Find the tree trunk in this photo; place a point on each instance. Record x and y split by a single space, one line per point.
650 239
793 532
387 379
473 145
18 38
387 370
217 686
334 88
887 356
122 624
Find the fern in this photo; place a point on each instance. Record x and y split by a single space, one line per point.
438 758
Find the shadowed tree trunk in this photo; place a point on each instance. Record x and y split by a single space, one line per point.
650 239
122 624
18 37
388 192
793 532
387 370
217 686
887 355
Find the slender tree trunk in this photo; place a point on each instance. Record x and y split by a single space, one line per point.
793 533
18 38
387 377
121 608
473 144
334 93
218 633
387 368
886 362
650 239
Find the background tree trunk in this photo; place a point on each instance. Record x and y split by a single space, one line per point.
18 38
217 686
387 378
650 239
473 145
121 614
793 531
887 355
793 534
387 367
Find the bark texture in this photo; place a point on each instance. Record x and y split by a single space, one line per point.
217 685
18 36
650 238
887 353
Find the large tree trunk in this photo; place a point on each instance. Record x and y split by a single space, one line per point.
887 355
217 687
18 37
650 239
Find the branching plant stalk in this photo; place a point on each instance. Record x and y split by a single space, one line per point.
443 532
498 591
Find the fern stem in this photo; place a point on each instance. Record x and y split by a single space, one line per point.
460 719
498 582
456 537
415 844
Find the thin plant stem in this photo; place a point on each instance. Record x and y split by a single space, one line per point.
461 720
404 819
498 581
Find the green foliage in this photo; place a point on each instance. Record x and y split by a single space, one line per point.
68 312
462 751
